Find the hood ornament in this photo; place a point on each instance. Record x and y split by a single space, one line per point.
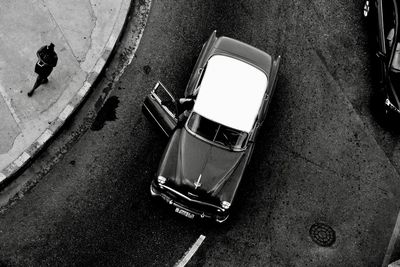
197 183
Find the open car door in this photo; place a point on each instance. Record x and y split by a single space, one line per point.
161 108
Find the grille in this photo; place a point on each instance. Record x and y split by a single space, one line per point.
195 204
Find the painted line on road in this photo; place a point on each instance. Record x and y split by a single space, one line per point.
189 254
393 238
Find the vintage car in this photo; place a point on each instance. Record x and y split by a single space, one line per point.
232 84
383 22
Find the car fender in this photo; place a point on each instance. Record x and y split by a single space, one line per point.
169 160
227 190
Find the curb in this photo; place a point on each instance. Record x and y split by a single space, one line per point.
33 150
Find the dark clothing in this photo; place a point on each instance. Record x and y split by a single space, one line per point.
182 104
43 70
39 80
185 104
47 60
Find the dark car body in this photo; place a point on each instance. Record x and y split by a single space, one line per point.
383 23
208 150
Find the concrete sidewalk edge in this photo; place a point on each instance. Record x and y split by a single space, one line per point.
33 150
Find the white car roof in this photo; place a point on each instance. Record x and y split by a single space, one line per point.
231 92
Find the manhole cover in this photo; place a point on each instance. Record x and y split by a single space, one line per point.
322 234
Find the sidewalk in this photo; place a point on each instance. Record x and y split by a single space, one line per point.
84 34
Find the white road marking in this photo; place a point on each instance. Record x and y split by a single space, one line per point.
189 254
395 235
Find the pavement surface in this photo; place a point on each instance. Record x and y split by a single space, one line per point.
315 161
84 34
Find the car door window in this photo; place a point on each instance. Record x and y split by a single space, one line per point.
166 99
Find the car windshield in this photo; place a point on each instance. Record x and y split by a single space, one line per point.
217 133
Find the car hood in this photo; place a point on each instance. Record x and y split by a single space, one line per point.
203 167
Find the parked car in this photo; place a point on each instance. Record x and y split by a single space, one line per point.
210 144
383 23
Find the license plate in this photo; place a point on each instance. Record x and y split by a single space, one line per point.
184 213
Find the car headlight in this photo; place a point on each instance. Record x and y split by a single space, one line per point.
161 179
225 204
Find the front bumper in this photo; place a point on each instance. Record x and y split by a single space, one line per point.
156 191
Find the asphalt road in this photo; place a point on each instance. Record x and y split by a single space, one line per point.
321 157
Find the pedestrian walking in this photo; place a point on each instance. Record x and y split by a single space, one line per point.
47 60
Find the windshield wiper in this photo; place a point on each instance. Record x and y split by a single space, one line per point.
228 143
